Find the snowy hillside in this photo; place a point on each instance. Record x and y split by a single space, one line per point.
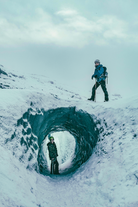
97 145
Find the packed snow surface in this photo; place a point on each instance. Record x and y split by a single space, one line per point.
109 178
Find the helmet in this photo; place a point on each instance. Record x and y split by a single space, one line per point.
51 138
97 61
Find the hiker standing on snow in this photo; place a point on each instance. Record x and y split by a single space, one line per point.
53 156
100 76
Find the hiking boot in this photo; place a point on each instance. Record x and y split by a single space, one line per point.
90 99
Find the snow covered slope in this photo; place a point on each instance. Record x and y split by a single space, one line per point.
109 178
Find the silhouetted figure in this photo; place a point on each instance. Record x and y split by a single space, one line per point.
53 156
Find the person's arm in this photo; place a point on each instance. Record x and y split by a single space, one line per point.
94 75
49 153
56 150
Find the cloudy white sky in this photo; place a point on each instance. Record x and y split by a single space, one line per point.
61 39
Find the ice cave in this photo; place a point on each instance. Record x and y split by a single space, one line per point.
78 123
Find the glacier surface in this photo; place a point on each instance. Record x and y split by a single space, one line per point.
108 175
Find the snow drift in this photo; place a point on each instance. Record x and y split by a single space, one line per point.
108 170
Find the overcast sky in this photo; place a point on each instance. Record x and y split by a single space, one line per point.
61 39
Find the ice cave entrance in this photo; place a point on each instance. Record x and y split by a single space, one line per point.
75 132
66 144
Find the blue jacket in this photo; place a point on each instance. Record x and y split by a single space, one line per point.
99 73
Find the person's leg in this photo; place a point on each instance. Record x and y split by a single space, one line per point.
52 167
103 85
96 85
56 169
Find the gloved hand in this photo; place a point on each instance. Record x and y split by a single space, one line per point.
92 76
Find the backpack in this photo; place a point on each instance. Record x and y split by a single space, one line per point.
105 73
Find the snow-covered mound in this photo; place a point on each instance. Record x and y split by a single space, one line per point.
107 132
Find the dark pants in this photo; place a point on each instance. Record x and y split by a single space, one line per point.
54 166
103 85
